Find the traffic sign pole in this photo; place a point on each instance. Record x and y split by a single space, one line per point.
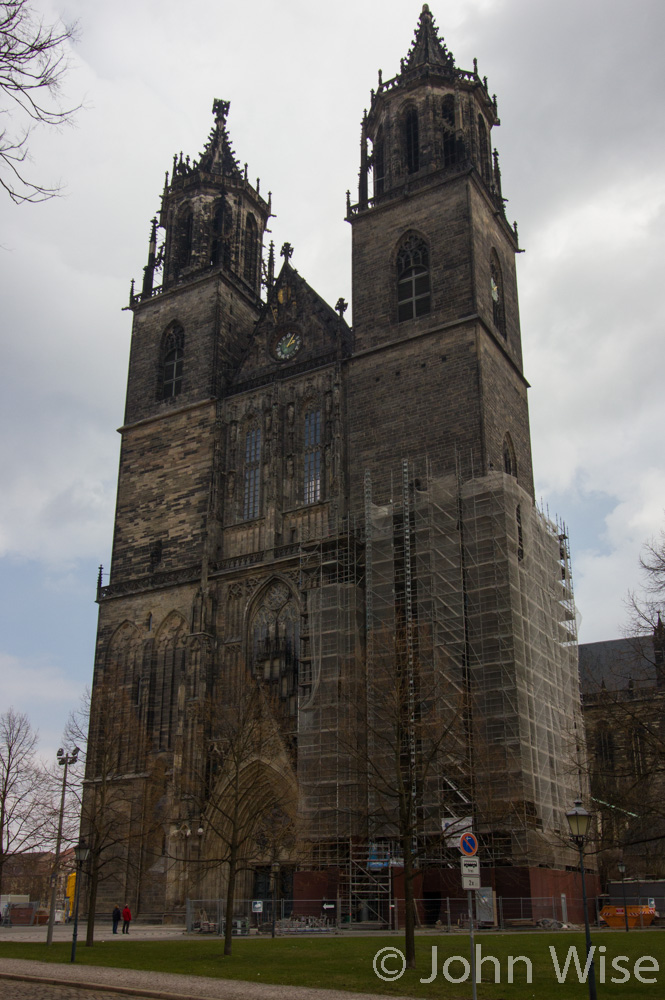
470 866
473 950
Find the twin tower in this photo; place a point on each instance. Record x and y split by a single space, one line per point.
322 513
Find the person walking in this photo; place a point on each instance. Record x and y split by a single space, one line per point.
115 917
126 918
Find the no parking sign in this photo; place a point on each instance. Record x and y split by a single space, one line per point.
468 844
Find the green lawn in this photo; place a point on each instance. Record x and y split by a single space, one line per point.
345 963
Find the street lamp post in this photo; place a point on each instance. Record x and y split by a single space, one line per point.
64 759
622 871
81 852
275 877
579 821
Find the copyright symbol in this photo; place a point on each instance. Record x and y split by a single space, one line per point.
388 972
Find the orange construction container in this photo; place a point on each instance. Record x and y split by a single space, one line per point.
614 916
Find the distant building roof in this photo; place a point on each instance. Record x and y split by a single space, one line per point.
617 664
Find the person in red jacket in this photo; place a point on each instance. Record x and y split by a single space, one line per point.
126 918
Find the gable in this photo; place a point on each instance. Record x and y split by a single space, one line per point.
297 331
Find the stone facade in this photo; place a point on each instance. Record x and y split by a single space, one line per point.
623 690
297 496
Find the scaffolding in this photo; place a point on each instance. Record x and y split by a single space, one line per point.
462 591
331 583
523 669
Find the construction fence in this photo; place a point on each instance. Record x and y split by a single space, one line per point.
446 914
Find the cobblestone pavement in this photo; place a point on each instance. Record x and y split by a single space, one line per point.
99 983
22 990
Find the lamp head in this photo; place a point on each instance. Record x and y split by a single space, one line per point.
81 851
579 821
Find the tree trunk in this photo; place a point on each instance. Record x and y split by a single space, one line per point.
230 899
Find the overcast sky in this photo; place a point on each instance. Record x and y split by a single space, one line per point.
579 85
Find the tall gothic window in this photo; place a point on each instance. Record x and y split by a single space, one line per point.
184 231
483 149
411 141
273 646
312 456
605 748
637 750
520 533
379 164
166 674
251 250
413 285
448 115
509 459
173 360
251 497
220 249
498 306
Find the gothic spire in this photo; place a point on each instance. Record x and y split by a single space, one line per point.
218 156
427 49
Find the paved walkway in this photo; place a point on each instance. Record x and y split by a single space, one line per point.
47 981
159 985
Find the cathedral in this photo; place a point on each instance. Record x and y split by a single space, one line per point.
326 545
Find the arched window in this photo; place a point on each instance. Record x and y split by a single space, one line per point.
116 725
220 248
411 141
604 748
637 751
167 671
520 533
173 360
449 139
509 459
184 231
251 250
483 149
496 283
251 497
312 457
273 642
413 286
379 163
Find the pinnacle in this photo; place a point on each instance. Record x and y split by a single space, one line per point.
218 155
427 49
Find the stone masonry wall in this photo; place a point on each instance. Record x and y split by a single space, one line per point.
163 493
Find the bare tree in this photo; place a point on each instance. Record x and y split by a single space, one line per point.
248 782
413 717
624 697
114 784
32 66
625 733
26 812
645 605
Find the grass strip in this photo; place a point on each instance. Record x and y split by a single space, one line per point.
346 963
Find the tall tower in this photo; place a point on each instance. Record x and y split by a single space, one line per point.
188 336
155 658
434 286
474 581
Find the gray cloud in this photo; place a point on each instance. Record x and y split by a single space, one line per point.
579 87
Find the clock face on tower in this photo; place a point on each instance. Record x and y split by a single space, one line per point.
288 345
